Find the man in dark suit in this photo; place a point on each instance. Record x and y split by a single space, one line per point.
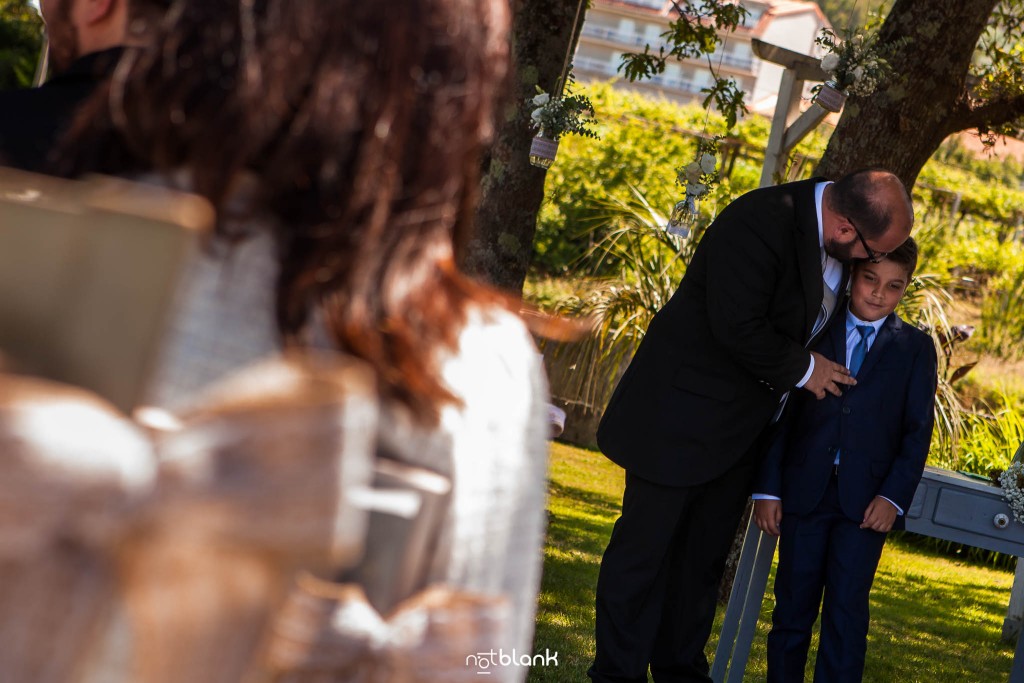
712 369
840 472
86 39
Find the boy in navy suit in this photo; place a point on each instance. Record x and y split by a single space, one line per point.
841 472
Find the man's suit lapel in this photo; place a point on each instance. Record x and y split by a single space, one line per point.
885 335
809 253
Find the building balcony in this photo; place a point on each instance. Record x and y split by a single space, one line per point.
594 66
741 63
636 40
616 37
585 66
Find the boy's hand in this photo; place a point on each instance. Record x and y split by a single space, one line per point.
827 376
767 515
879 516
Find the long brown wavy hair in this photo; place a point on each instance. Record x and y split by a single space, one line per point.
363 124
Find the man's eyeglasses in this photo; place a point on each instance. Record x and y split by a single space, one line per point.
873 256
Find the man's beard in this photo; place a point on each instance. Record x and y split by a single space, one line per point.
63 38
840 252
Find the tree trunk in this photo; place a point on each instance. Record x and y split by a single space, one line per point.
901 125
543 32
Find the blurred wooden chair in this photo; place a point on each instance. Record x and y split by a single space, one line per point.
88 273
328 632
219 537
261 482
73 470
384 619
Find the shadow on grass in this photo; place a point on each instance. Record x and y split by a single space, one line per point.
581 521
955 552
592 502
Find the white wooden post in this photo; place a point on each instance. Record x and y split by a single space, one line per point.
1015 612
788 129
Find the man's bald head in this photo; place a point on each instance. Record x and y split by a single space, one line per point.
866 213
876 200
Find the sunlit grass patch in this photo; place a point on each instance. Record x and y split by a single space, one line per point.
933 617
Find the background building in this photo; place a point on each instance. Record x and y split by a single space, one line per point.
614 27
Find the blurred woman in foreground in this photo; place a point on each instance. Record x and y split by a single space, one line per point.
340 143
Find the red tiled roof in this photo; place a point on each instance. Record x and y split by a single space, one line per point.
773 8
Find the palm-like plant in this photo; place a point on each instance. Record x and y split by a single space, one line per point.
1002 317
925 305
633 269
640 266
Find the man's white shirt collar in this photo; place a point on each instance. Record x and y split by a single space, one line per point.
831 269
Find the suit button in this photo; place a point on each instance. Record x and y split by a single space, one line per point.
846 410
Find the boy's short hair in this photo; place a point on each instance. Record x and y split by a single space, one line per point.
905 255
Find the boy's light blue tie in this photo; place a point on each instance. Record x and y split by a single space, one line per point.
861 349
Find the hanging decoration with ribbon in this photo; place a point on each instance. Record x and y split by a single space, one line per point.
558 114
701 175
697 178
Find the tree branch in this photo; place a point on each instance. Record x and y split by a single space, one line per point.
989 113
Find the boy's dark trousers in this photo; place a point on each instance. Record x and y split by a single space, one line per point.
823 550
881 430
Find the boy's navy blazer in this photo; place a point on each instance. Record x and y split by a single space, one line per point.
882 427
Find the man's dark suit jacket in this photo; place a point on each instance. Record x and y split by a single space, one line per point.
718 357
882 427
33 120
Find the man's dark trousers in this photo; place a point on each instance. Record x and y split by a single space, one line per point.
655 590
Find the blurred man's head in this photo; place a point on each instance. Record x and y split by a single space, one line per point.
80 27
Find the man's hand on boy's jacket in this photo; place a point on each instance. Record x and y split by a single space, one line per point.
880 515
767 515
827 376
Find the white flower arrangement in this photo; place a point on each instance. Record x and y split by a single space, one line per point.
698 178
856 65
553 117
1012 482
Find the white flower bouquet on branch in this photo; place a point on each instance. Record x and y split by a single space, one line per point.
857 65
567 114
553 117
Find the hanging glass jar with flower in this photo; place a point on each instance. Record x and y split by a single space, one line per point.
553 117
697 178
857 65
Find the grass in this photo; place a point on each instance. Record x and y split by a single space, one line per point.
933 617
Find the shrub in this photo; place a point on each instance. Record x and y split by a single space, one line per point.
643 142
1002 317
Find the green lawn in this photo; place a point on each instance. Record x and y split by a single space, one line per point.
933 617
